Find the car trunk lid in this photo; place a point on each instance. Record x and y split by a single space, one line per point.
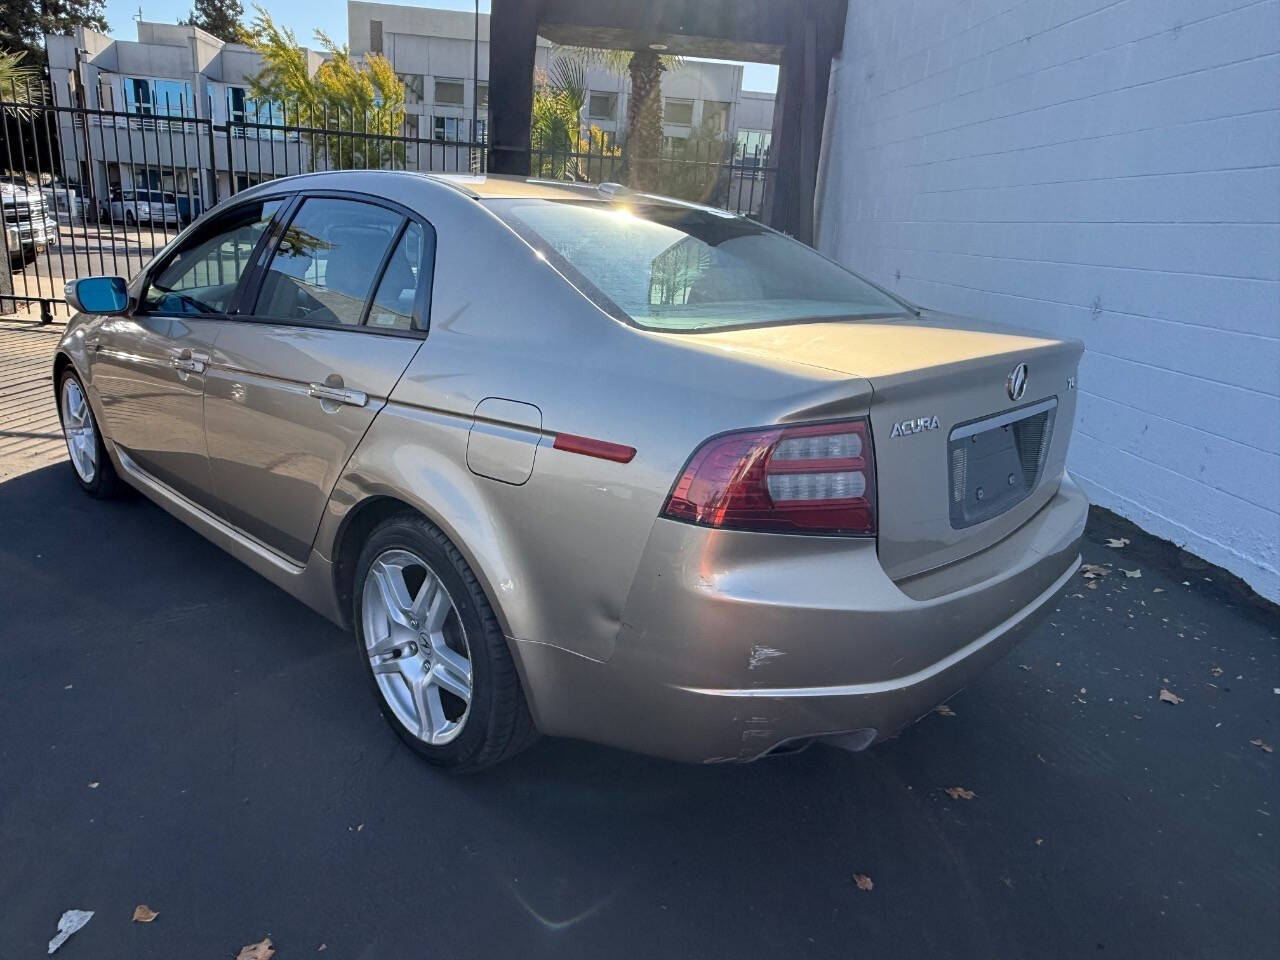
964 455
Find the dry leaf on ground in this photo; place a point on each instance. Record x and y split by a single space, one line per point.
1117 542
943 710
1262 745
1167 697
1091 570
257 951
143 914
1216 671
1131 573
960 793
862 881
94 784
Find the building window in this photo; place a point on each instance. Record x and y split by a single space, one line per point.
603 106
715 114
413 87
482 96
410 125
375 36
753 145
448 128
450 92
161 98
679 112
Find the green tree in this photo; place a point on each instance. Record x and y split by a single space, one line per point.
23 23
222 18
19 83
359 106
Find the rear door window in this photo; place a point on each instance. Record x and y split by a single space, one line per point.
326 262
398 292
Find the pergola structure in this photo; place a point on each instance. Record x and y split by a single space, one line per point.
801 36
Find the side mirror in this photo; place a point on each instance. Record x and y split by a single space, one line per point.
100 295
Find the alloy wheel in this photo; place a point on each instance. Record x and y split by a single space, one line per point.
417 646
77 427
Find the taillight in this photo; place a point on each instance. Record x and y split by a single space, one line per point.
811 479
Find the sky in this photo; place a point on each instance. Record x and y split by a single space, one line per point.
303 17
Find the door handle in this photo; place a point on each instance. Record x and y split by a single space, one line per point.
188 364
322 391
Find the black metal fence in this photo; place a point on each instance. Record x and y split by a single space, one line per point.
88 190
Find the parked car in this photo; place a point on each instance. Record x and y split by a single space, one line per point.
64 200
580 461
142 206
30 227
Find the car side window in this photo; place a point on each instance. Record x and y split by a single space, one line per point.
326 261
408 268
200 277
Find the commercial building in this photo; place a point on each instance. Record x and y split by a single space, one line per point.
433 52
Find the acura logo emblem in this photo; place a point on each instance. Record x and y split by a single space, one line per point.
1017 382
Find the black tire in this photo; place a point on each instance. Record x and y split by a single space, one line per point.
498 724
129 219
106 483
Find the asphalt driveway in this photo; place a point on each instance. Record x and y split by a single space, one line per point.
175 731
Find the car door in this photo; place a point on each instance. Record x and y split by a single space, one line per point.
296 380
149 367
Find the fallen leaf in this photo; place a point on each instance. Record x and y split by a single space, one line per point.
862 881
1133 574
94 784
1158 590
1039 841
257 951
1167 697
1116 544
322 948
943 710
960 793
143 914
1091 570
1262 745
1216 671
1023 666
1092 584
69 923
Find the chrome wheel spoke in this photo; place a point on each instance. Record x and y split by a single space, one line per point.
437 610
420 692
396 602
451 672
386 667
437 725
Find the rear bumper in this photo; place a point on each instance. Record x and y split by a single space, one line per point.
736 644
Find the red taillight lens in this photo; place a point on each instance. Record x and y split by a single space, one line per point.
812 479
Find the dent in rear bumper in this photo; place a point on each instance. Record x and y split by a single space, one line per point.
734 643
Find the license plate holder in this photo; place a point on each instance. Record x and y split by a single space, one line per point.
997 461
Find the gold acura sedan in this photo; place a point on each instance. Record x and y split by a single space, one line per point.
573 460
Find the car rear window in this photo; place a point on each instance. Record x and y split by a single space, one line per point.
666 266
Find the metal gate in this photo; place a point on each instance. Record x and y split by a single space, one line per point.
101 191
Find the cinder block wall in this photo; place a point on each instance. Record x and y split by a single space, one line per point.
1104 169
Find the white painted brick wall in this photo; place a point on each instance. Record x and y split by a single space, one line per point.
1104 169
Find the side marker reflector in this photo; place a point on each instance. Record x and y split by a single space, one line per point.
602 449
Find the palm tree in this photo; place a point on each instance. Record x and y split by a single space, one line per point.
16 81
645 68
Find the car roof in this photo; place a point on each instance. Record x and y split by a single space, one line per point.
494 186
484 187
